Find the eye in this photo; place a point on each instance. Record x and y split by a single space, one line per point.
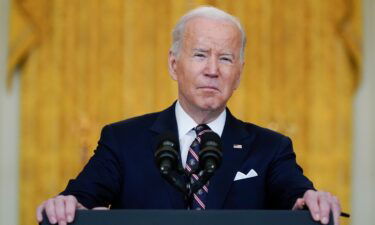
199 55
226 59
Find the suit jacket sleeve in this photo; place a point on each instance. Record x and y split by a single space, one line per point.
286 181
100 180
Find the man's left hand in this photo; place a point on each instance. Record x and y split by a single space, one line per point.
320 205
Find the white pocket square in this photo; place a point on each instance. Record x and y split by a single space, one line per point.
241 176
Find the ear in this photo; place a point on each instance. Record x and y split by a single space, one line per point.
172 61
237 82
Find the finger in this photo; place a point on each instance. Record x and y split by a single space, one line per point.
39 212
100 208
50 211
299 204
336 210
60 210
70 208
325 206
311 200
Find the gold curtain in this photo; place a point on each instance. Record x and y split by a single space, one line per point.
87 63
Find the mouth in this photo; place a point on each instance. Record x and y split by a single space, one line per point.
209 88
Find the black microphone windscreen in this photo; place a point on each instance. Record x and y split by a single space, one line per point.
211 138
167 138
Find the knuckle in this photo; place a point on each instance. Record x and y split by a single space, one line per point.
324 196
310 203
310 192
71 198
50 202
60 197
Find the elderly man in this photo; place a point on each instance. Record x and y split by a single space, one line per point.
258 168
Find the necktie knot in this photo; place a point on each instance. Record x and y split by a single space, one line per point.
202 128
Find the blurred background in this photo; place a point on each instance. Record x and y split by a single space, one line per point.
67 68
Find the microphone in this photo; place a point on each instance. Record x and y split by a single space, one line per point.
210 154
166 155
167 160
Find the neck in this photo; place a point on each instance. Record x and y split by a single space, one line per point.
201 116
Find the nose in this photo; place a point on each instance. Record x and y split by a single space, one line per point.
212 67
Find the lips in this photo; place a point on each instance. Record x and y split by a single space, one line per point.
209 88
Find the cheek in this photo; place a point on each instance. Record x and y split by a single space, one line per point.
189 74
230 80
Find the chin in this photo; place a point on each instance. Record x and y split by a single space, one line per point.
211 105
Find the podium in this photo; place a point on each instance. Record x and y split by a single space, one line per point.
192 217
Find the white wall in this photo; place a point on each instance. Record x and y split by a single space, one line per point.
9 117
363 176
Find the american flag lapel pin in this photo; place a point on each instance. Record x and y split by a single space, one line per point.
237 146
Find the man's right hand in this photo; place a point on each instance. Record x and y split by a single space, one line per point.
60 209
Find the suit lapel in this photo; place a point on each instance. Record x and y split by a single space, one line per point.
234 133
166 122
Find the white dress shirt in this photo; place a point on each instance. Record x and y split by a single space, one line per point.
186 133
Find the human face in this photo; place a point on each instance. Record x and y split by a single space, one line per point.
208 66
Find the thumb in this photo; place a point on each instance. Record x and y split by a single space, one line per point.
299 204
100 208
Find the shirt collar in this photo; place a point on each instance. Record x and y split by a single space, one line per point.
185 123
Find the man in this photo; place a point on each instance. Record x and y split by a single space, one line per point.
206 60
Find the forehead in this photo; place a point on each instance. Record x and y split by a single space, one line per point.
206 32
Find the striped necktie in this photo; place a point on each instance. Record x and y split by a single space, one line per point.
192 164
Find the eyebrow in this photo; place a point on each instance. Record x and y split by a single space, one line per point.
227 54
205 50
231 55
200 50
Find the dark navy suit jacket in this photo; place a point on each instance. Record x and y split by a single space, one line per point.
122 172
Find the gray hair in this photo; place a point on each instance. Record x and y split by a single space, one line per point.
206 12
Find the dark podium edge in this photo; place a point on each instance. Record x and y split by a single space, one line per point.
191 217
